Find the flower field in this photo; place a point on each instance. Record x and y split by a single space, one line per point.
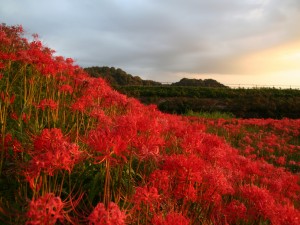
75 151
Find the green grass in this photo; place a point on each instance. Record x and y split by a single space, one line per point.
210 115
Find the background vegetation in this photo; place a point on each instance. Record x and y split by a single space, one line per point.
204 96
242 103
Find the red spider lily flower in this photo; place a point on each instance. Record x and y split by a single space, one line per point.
110 216
107 144
25 117
47 103
170 219
82 103
8 56
103 119
78 106
23 56
52 151
14 116
287 215
66 88
69 60
12 99
2 66
17 146
6 98
161 180
46 210
281 160
261 202
146 196
234 212
7 141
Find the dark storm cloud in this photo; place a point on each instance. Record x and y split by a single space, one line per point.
155 36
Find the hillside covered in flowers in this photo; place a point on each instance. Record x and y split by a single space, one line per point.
75 151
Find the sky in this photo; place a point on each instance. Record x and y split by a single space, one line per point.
255 42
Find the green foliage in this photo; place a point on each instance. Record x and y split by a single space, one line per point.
198 83
118 77
243 103
210 115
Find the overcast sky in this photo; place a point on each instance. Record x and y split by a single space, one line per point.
232 41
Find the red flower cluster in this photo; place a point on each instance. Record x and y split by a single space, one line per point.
46 210
170 219
110 216
47 103
145 196
52 152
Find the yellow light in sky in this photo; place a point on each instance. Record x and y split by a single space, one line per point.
293 57
283 58
278 66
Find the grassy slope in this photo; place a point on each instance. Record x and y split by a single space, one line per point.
76 151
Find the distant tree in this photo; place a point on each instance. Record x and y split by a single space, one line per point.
198 83
118 77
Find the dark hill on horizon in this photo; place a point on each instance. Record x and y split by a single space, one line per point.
199 83
118 77
204 96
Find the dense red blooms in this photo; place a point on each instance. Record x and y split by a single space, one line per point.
164 169
66 88
235 211
110 216
146 196
47 210
52 151
170 219
107 144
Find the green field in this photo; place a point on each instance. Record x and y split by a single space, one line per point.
241 102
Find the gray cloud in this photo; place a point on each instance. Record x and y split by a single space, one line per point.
151 37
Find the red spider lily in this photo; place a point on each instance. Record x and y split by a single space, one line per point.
8 140
2 66
147 146
6 98
46 210
17 146
103 119
287 215
261 203
147 140
235 211
25 117
107 144
110 216
82 103
23 56
170 219
52 152
281 160
8 56
66 88
14 116
161 180
147 196
47 103
11 35
184 173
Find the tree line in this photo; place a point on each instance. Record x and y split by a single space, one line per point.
205 96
